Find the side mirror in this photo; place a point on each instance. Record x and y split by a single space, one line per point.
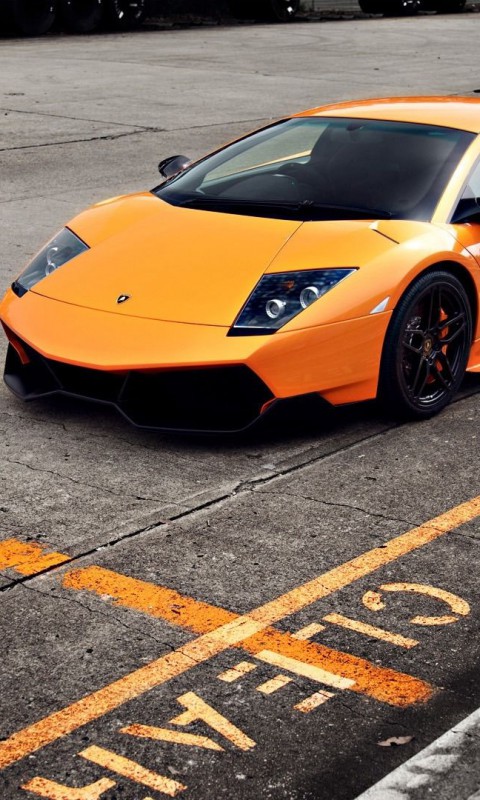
468 210
171 166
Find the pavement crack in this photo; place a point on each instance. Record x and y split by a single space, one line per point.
137 131
37 113
111 617
78 482
100 138
348 506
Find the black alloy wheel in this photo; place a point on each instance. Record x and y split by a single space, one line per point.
426 347
126 14
81 16
30 17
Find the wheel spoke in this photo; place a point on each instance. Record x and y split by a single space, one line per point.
447 322
455 334
440 376
416 350
416 379
418 393
446 367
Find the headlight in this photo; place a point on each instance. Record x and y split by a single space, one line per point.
62 248
279 297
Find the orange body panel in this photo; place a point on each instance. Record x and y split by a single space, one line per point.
453 112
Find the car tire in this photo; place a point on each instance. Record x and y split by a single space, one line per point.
426 347
30 17
123 15
81 16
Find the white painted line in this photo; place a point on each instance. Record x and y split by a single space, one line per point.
430 766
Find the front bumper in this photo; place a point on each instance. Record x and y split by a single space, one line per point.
221 399
183 376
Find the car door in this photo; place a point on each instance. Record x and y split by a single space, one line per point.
467 231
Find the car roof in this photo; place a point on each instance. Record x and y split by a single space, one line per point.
450 112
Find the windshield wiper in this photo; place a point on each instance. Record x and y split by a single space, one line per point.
308 209
230 201
368 213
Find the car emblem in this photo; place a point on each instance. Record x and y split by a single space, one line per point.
122 298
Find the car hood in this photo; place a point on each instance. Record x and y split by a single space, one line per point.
193 266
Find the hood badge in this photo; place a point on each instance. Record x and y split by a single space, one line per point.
122 298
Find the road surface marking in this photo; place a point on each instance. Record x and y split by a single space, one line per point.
373 601
383 684
309 631
130 769
56 791
433 764
149 598
236 672
274 684
199 710
305 670
180 661
165 735
312 702
370 630
28 558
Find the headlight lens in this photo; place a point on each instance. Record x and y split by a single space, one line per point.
279 297
62 248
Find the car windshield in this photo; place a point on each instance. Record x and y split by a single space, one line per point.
321 168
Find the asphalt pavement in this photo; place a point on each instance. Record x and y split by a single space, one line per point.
288 614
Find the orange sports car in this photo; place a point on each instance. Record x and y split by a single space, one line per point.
333 253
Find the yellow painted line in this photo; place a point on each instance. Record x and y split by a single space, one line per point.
236 672
198 710
157 601
339 577
305 670
130 769
205 646
28 558
309 631
383 684
274 684
371 630
455 603
56 791
312 702
176 737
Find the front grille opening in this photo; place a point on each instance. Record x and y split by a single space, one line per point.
28 380
220 399
92 383
216 398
